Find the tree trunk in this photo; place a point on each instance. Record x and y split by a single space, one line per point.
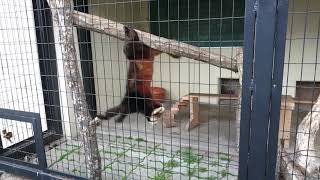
106 26
307 155
306 161
63 30
288 170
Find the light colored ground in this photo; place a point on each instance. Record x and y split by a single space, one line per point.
135 149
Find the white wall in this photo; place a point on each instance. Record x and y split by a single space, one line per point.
109 62
301 45
20 83
182 76
69 122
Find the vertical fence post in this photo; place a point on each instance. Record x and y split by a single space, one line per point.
279 53
265 30
62 14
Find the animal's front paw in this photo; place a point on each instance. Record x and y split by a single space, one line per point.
156 114
153 120
158 111
96 121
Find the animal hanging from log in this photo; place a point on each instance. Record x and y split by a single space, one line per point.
138 96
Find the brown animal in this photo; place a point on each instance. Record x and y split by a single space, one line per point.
138 96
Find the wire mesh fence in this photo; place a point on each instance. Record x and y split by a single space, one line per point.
137 149
134 148
168 117
300 85
20 78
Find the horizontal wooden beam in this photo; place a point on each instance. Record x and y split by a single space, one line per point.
169 46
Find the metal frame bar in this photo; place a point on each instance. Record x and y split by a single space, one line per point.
35 120
37 171
246 93
262 83
265 30
279 53
28 145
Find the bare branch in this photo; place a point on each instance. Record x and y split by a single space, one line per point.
169 46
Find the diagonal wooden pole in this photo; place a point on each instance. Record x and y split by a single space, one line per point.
63 31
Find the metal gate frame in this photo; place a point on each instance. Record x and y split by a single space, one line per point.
36 171
264 50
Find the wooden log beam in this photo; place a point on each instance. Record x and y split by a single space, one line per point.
169 46
63 31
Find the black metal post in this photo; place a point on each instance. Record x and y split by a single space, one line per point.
264 49
279 52
37 129
36 171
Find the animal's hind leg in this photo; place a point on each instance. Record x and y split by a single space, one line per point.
109 113
127 106
121 118
123 111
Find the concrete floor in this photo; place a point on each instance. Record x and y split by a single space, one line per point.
136 149
217 131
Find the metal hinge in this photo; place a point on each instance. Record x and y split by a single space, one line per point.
256 6
251 86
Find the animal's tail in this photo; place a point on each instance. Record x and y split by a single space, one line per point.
109 113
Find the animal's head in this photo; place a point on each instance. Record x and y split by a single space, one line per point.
133 48
132 40
130 34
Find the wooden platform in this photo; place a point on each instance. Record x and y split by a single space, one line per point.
193 100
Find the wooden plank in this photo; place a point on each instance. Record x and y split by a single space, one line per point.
183 103
287 106
212 98
194 113
304 102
